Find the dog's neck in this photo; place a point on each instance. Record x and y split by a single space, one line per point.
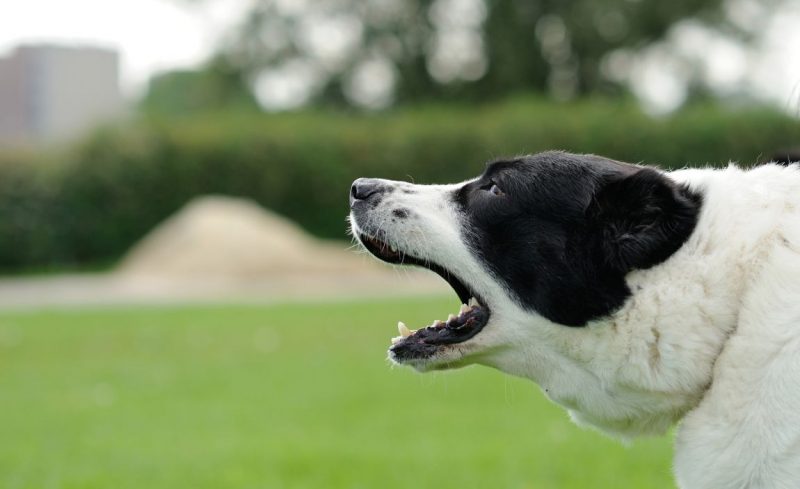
641 369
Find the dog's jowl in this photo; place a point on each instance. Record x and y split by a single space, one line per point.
636 298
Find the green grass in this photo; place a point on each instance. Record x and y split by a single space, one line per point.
292 396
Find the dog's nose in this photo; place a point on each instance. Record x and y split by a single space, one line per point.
362 188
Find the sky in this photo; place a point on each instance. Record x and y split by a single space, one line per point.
156 35
151 35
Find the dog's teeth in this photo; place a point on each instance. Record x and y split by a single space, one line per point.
464 308
473 302
438 323
451 317
403 329
392 249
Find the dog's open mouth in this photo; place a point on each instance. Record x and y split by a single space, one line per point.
457 328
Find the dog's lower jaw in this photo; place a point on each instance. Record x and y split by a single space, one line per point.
430 364
447 357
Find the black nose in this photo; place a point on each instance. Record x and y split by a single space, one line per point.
362 188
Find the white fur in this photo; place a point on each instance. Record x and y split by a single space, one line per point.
710 337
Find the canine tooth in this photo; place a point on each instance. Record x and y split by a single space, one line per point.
473 302
403 329
464 308
451 317
438 322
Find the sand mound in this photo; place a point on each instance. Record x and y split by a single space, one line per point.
228 237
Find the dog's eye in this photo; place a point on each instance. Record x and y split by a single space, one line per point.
493 189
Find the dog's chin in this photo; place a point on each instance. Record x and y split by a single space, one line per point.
447 358
444 343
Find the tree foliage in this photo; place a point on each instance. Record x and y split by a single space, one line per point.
378 52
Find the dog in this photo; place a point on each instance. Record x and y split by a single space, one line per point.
635 298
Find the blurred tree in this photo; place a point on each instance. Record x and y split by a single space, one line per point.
373 53
559 46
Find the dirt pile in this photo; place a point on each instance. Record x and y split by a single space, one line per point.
227 237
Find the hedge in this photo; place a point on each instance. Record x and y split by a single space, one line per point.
93 202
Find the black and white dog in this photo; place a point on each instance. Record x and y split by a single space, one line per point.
634 297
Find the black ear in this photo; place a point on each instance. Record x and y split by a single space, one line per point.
642 218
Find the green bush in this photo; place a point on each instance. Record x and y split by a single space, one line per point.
114 187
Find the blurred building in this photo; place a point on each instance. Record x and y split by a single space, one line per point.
52 93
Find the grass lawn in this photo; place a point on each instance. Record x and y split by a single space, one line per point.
290 396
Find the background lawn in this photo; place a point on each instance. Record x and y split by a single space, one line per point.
290 396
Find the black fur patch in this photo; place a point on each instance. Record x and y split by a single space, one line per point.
400 213
786 157
565 229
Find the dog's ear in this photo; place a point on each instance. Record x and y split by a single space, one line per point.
642 218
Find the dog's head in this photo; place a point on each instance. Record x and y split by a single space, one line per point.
534 243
